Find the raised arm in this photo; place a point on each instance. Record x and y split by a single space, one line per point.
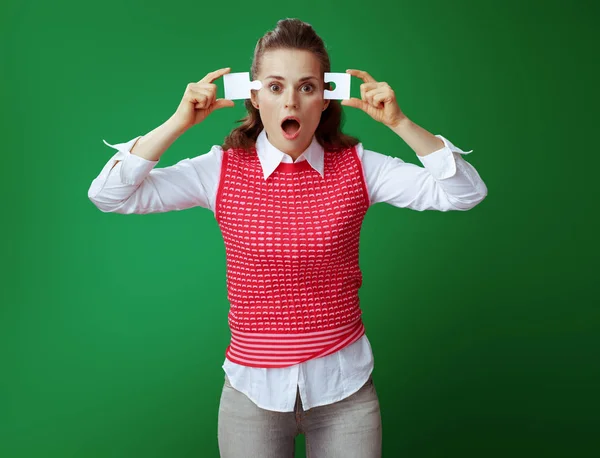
446 182
129 183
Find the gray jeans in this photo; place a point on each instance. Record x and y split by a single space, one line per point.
350 428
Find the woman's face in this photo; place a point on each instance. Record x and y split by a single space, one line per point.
292 85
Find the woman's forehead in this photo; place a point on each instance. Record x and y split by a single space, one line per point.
290 64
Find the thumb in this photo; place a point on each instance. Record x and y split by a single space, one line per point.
354 102
222 103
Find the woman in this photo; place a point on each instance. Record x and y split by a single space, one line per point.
289 191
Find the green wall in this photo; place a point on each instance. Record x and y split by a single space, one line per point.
484 325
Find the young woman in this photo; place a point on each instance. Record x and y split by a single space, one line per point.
289 191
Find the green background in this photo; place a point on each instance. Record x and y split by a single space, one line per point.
484 324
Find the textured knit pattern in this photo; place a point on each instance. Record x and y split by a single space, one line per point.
292 252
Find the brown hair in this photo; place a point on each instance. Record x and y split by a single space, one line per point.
292 34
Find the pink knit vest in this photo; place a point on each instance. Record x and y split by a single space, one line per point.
291 245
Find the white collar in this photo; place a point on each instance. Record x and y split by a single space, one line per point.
270 157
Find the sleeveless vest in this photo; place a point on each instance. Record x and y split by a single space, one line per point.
291 245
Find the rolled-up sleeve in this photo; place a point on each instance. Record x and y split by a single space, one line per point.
131 184
446 182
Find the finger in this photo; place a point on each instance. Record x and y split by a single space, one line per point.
365 87
375 96
203 85
211 93
369 96
201 99
356 103
210 77
223 103
208 88
362 75
202 104
202 94
200 89
369 86
381 99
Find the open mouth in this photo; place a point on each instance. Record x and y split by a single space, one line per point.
290 127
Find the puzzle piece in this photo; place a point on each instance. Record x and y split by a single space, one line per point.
238 85
342 86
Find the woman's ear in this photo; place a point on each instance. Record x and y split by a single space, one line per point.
253 99
326 105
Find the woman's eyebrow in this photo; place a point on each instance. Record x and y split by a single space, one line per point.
304 78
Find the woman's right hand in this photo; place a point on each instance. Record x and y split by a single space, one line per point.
200 100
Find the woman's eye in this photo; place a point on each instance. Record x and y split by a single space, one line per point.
277 87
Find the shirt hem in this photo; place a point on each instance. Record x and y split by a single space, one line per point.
340 398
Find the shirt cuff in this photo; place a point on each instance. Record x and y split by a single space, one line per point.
133 168
442 163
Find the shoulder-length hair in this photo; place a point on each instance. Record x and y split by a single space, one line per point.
291 34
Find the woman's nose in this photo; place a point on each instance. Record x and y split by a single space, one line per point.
291 99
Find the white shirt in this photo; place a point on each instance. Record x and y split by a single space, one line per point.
134 185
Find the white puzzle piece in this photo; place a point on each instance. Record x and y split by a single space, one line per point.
238 85
342 86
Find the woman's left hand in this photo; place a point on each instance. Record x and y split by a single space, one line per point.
378 100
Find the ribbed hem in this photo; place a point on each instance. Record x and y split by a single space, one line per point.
270 350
